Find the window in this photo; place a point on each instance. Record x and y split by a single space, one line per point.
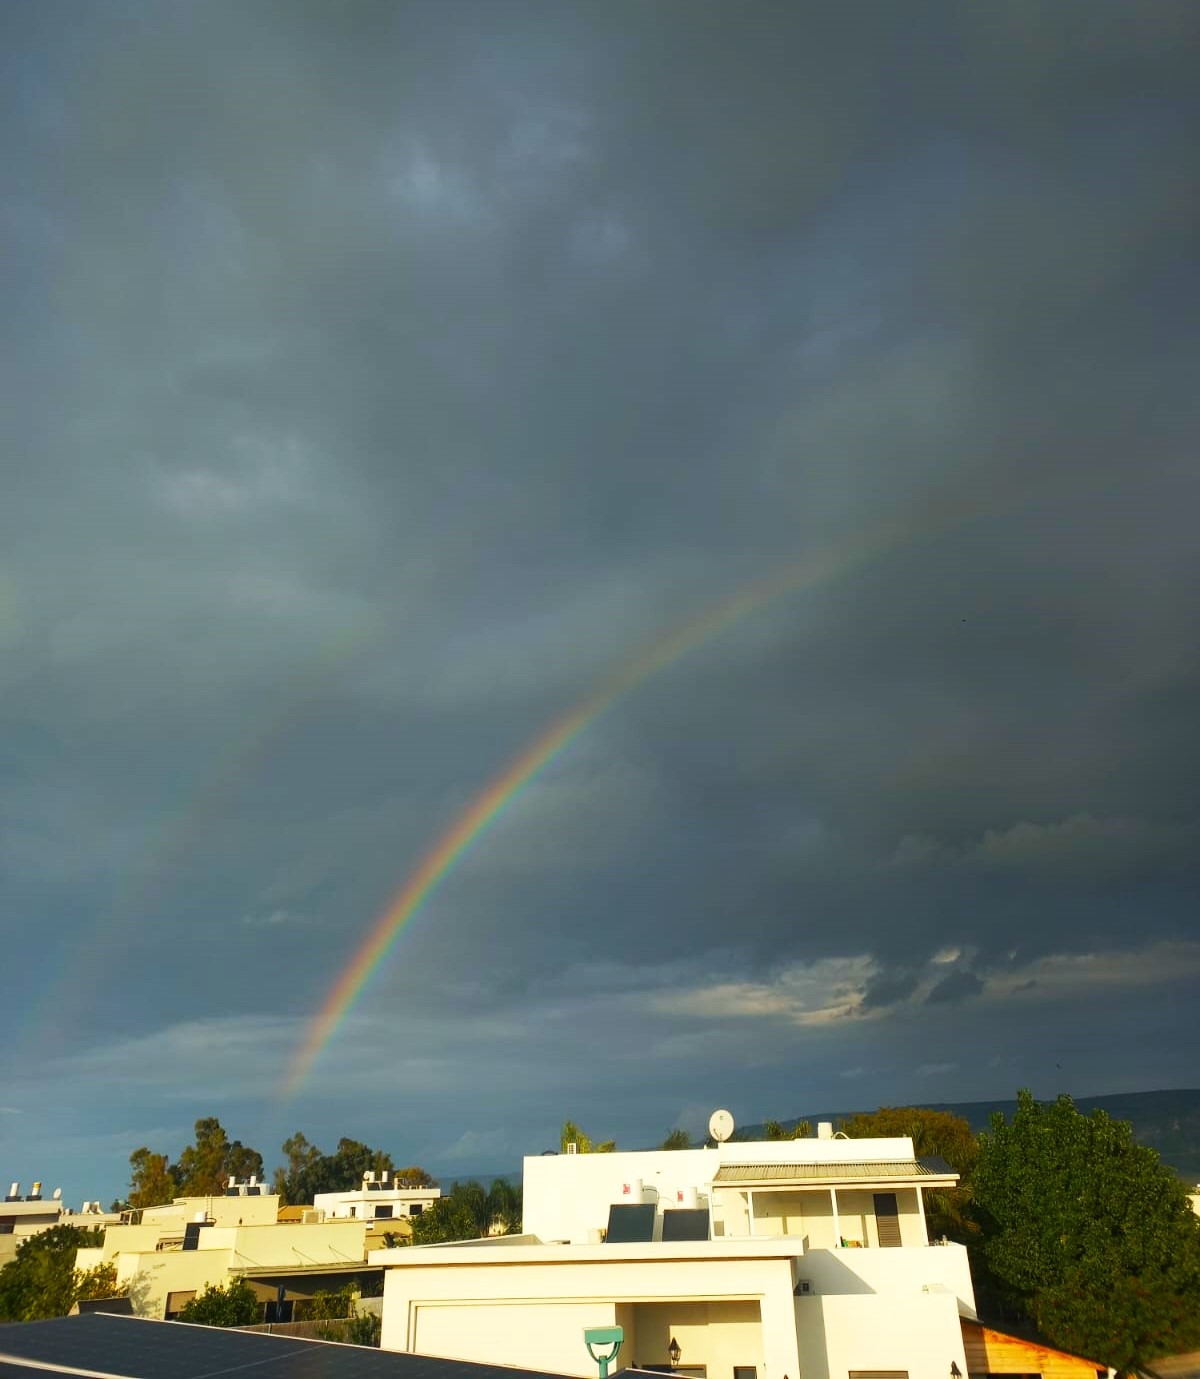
745 1372
382 1209
887 1219
416 1208
879 1374
176 1301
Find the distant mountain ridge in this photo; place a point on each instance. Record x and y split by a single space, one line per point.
1166 1121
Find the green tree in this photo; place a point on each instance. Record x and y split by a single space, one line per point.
202 1168
150 1180
325 1306
1088 1234
308 1171
572 1134
352 1159
363 1329
775 1130
234 1304
504 1208
40 1280
469 1212
933 1133
301 1156
677 1139
242 1162
100 1282
416 1175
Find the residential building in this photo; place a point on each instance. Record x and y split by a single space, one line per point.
23 1216
165 1255
379 1198
748 1260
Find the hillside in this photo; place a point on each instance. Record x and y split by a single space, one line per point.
1168 1121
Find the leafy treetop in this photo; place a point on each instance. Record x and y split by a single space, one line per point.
231 1304
1088 1233
41 1279
469 1212
933 1133
572 1134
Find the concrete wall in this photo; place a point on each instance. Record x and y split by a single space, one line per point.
532 1313
330 1242
718 1335
149 1274
362 1202
222 1211
920 1335
900 1273
148 1278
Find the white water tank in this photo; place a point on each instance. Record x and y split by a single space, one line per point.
687 1198
824 1129
631 1190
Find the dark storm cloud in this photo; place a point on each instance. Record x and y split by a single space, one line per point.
378 377
958 986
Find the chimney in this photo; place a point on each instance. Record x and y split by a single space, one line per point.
824 1129
14 1192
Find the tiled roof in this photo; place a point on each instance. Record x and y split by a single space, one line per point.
876 1171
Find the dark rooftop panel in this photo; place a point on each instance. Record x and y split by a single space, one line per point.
630 1223
145 1349
685 1223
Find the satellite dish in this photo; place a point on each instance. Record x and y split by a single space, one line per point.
720 1126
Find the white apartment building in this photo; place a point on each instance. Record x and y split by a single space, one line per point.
801 1259
23 1216
381 1197
165 1255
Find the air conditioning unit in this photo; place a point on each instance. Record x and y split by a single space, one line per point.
313 1216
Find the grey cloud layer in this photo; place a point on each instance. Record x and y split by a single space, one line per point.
377 378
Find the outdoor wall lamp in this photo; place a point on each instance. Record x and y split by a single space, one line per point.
674 1352
603 1336
955 1372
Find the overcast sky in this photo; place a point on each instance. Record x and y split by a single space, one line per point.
379 377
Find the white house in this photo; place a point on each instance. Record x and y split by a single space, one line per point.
801 1259
379 1198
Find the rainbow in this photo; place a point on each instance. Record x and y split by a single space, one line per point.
471 823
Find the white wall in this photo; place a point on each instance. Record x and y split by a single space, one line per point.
718 1335
872 1332
899 1273
149 1274
361 1202
527 1305
567 1196
223 1211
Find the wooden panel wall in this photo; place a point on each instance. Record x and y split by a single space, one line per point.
996 1352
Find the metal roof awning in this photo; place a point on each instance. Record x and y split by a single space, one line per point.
923 1172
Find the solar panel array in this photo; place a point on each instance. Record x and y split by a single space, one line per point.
685 1223
135 1348
630 1223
